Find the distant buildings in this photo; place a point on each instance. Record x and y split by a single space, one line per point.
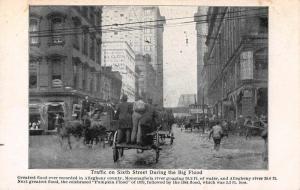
65 62
143 32
120 56
185 100
236 61
146 77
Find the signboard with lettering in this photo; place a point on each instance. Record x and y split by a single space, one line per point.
116 59
197 109
246 61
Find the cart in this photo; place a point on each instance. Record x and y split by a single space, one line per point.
165 132
118 148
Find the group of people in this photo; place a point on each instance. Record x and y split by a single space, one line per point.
35 125
135 121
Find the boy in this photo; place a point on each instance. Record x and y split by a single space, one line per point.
217 134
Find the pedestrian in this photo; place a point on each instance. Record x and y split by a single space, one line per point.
85 107
217 134
139 108
124 112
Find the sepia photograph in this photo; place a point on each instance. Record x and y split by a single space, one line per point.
148 87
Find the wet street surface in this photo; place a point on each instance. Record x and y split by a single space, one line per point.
189 150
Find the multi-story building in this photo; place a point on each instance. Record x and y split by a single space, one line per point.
142 28
185 100
120 56
146 77
64 59
111 84
201 28
236 62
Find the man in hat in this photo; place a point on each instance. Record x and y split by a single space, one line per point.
124 112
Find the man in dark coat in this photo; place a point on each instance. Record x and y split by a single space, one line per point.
86 106
124 112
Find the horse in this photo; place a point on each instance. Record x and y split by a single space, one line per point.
67 128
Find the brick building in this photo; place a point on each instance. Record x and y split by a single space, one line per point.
236 61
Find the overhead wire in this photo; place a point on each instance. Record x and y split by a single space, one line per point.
150 21
121 29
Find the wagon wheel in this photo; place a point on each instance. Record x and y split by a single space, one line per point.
115 154
121 152
115 149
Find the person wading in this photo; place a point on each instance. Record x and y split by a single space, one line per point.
217 133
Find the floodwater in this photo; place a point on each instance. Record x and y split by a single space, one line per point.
189 150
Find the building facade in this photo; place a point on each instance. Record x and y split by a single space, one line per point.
146 77
201 29
120 56
144 34
64 60
111 85
236 61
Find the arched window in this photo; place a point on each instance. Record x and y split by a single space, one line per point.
33 29
56 20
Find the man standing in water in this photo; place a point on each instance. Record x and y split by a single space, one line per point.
217 133
124 111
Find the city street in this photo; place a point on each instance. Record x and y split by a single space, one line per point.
189 150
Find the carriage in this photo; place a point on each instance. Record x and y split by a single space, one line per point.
165 130
118 148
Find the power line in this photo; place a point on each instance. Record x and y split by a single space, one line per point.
151 21
55 33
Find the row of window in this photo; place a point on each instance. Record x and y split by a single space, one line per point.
90 45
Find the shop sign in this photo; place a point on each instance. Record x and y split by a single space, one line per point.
246 61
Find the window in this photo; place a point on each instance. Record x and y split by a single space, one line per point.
85 43
115 33
263 25
92 48
84 78
85 11
75 75
56 73
92 16
147 31
56 30
148 39
33 29
148 48
77 24
98 52
33 72
121 15
148 12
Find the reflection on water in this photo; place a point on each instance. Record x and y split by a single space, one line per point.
189 150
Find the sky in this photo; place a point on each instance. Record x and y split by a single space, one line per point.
180 58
